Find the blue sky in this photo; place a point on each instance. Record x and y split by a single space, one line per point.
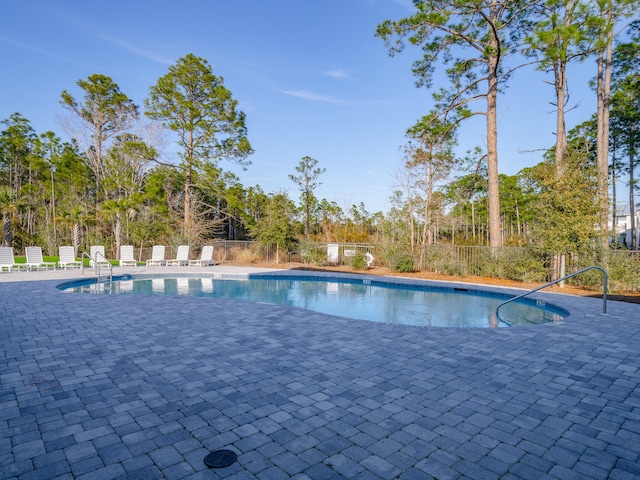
309 74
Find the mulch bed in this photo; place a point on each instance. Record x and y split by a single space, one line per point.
631 297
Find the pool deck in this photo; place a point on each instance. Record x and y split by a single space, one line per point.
134 387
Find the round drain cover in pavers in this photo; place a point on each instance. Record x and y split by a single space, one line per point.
220 458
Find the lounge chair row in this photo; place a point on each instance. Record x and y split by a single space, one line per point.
35 260
182 257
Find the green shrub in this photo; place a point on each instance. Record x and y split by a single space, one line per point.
450 268
402 262
314 254
512 263
523 265
358 261
438 259
623 272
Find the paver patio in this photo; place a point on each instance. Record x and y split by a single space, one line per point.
137 387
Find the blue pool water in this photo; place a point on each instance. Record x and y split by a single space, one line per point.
360 299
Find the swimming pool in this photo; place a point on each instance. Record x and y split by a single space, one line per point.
365 299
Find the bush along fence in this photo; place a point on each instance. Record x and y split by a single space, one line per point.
512 263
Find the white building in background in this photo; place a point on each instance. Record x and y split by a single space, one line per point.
622 227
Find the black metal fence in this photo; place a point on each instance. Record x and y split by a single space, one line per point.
515 263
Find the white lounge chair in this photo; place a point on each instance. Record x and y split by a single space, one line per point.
206 257
68 258
7 262
126 256
182 257
157 256
35 260
97 256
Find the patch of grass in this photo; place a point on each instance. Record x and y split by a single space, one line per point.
244 255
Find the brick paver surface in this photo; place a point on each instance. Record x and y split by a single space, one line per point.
110 387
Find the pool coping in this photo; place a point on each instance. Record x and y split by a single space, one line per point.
504 294
577 306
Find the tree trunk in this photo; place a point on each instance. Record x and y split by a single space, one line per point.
560 71
473 219
187 185
632 206
7 232
453 226
187 203
412 226
117 233
307 220
77 237
603 88
561 130
495 230
614 197
53 207
519 231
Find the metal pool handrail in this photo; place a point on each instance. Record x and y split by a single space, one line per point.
96 265
82 257
108 265
604 288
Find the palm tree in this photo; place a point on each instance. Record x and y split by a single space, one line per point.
75 217
116 210
9 205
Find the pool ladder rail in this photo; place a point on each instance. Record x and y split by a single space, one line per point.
96 266
604 290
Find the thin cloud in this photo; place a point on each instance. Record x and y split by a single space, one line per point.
154 57
90 30
313 96
42 51
337 73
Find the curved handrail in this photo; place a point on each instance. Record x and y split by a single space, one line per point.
82 257
604 288
96 265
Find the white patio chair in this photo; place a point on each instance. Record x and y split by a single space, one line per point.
157 256
126 256
35 260
182 257
97 256
7 262
67 256
206 257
